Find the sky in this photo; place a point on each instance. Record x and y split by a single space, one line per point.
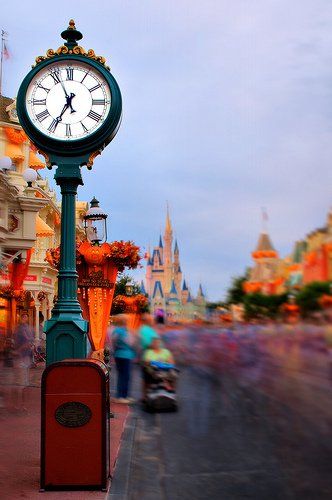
227 108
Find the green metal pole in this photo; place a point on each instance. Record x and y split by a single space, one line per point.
67 279
66 330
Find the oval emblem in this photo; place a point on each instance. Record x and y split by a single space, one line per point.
73 414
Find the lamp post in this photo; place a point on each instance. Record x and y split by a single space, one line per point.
95 223
129 289
30 175
70 106
5 163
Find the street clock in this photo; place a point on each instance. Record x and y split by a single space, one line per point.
70 107
69 103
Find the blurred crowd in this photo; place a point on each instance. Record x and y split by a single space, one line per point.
256 352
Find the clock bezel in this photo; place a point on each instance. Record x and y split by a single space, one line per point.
86 145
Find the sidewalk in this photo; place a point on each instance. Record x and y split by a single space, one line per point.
20 449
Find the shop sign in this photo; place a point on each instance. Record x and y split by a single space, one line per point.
47 280
31 277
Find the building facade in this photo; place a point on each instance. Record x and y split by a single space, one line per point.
266 275
29 224
309 261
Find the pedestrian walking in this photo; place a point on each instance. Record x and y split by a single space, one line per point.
24 338
124 343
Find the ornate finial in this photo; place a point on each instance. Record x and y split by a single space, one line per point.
94 202
72 35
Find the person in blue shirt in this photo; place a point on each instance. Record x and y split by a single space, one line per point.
146 332
123 352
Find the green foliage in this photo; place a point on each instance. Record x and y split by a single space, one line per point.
308 297
119 306
214 305
258 305
235 294
122 281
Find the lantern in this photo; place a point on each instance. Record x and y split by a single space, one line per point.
129 289
95 223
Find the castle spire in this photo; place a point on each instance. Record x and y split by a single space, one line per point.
160 242
265 219
173 289
176 248
168 227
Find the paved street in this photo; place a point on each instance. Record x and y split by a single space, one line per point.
236 436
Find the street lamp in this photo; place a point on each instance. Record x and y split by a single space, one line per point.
129 289
30 175
5 163
95 223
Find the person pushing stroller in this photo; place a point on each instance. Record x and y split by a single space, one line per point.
160 377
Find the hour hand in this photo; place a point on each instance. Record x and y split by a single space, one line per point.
69 99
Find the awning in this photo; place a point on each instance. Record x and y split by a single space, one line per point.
35 162
14 152
43 229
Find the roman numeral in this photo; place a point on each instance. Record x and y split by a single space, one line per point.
84 77
44 88
84 127
53 125
70 73
95 87
95 116
98 102
56 76
41 116
39 102
68 129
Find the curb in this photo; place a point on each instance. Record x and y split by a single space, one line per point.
119 488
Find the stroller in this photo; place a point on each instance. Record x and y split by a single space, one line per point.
38 355
160 378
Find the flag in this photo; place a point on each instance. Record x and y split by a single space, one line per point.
5 53
264 214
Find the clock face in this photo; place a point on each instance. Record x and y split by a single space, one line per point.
68 100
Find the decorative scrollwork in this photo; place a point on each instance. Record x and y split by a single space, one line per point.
91 159
47 159
77 50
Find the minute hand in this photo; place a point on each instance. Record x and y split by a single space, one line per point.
64 89
59 118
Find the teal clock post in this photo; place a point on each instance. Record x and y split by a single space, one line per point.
66 330
70 107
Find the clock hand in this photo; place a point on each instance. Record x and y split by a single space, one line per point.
69 99
64 89
59 118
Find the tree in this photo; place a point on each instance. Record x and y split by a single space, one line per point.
122 281
236 294
212 306
119 306
257 305
308 297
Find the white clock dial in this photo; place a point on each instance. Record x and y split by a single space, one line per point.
68 100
